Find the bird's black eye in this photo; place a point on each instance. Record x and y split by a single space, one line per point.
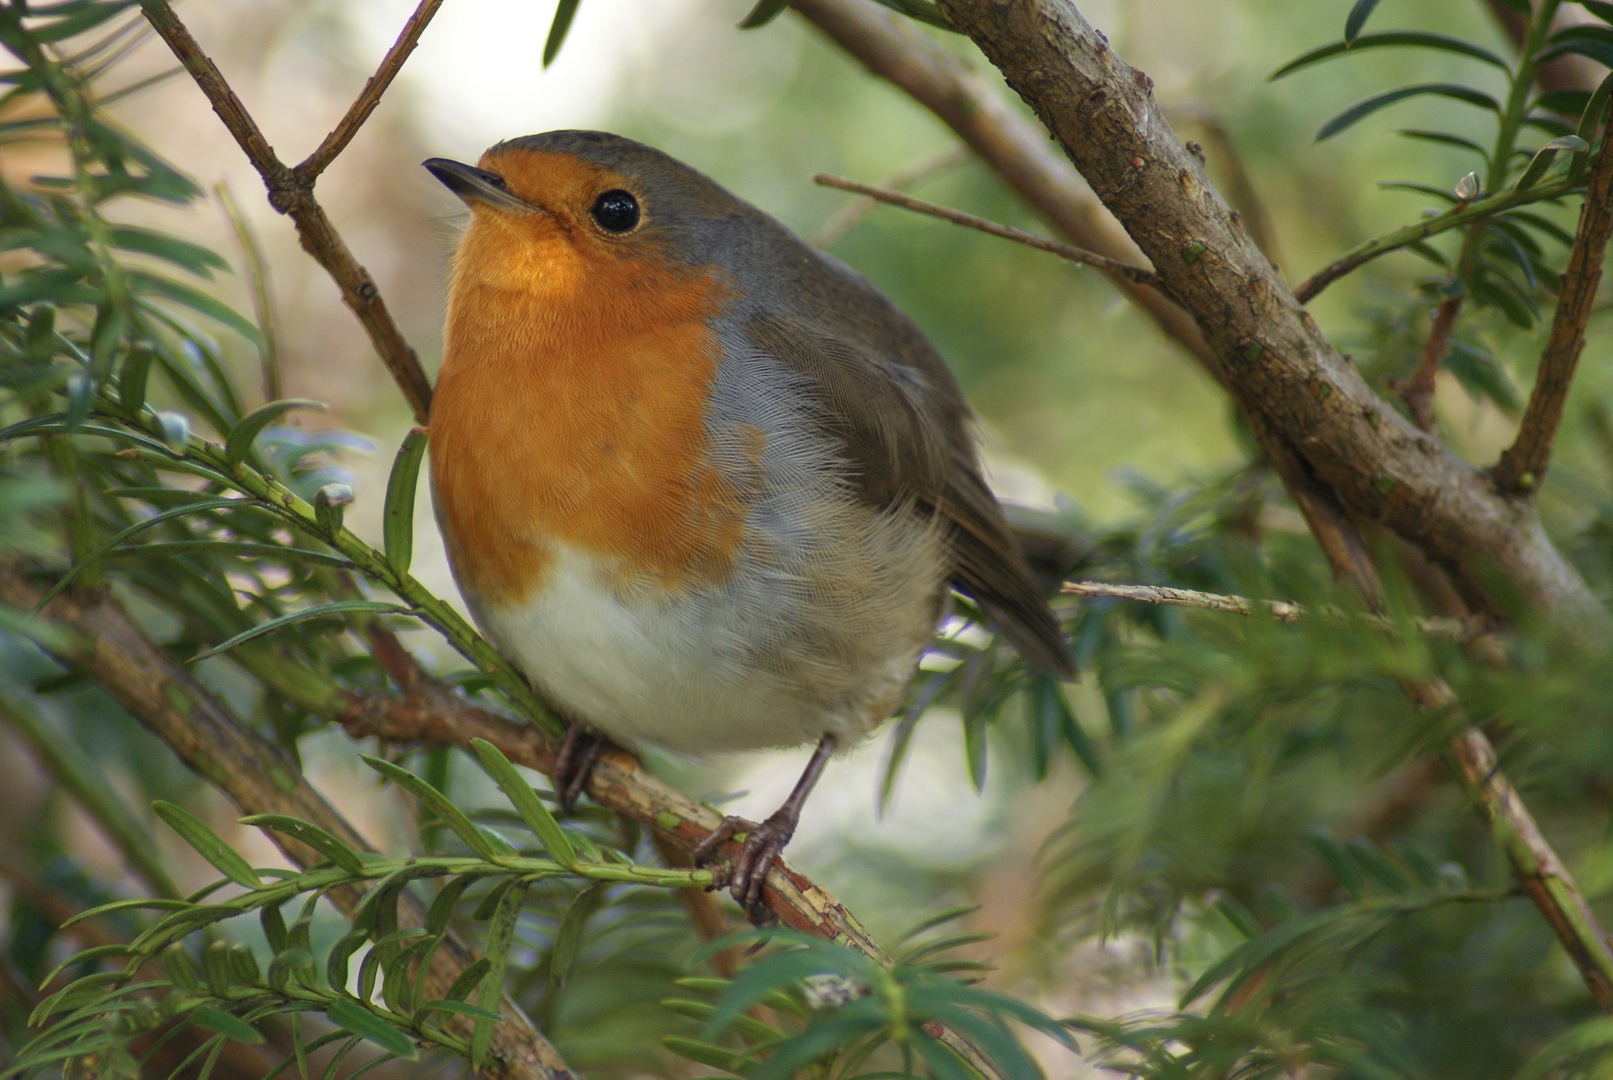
615 211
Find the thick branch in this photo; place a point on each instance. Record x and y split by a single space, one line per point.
258 776
1297 392
1274 358
292 194
1524 463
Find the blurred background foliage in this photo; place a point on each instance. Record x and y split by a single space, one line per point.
1230 850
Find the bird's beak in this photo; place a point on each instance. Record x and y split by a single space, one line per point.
477 186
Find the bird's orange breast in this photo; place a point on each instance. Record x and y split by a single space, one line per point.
571 409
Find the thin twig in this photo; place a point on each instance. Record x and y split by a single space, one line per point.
1407 235
1135 274
1013 146
1281 610
1534 863
370 96
843 220
1524 463
291 194
262 305
1418 391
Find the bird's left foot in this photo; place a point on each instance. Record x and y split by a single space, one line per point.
578 753
763 844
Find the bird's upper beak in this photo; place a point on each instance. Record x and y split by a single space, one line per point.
477 186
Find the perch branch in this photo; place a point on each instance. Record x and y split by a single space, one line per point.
1114 268
293 194
1524 463
103 643
431 714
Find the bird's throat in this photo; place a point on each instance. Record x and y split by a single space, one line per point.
571 409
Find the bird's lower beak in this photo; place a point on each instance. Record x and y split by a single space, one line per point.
477 186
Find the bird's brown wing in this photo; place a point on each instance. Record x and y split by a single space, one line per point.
903 424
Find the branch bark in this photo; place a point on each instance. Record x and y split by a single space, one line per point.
291 192
1523 465
1275 360
1338 449
259 777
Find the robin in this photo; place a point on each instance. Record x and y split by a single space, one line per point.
704 485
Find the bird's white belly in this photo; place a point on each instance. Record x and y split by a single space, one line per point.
679 671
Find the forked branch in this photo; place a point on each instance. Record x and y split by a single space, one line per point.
292 192
370 96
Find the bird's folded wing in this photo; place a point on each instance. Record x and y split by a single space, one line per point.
903 425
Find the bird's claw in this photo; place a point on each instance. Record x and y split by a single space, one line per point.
572 765
761 849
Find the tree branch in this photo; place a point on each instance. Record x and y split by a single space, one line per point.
843 220
104 643
1418 391
431 714
1522 466
1118 270
1403 237
293 194
434 715
259 777
1354 454
1012 146
1274 358
370 96
1281 610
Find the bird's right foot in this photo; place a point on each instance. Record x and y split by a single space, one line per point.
579 752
